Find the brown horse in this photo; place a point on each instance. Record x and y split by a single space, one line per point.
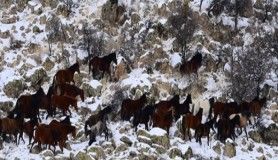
163 107
220 108
66 75
191 121
183 108
192 65
143 116
164 120
70 90
130 107
102 64
28 105
204 130
29 127
63 103
12 126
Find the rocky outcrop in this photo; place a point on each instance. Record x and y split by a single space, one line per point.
114 14
255 135
6 106
269 134
14 88
83 156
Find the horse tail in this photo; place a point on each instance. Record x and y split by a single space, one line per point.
210 112
89 67
86 129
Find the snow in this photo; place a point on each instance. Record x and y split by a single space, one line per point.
157 132
175 59
137 78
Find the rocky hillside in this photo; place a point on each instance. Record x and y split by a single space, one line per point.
237 39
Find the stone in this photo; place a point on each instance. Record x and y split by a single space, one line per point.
229 150
63 10
188 154
251 146
274 117
6 106
217 148
39 76
21 4
48 64
90 91
135 18
14 88
255 135
36 29
49 3
269 134
144 139
160 149
9 20
122 147
100 154
47 153
160 137
175 152
142 132
35 149
261 158
83 156
5 34
260 149
144 156
126 140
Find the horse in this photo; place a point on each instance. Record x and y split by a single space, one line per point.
12 126
143 116
29 127
191 66
129 106
102 64
162 107
63 103
164 120
226 127
28 105
95 118
191 121
204 130
70 90
66 75
97 129
183 108
244 118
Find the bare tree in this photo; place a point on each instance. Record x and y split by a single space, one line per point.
69 4
249 68
53 35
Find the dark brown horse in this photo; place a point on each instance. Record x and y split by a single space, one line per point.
102 64
130 107
70 90
220 108
143 116
12 126
192 65
164 120
63 103
28 105
204 130
163 107
66 75
191 121
183 108
29 127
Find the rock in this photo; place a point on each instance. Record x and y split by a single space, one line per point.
274 117
68 147
5 3
114 14
175 152
21 4
122 147
49 3
63 10
99 152
259 4
6 106
5 34
261 158
229 150
260 150
1 144
160 149
144 156
39 76
126 140
269 134
255 135
47 153
144 139
188 154
135 18
48 64
160 137
217 148
14 88
251 146
142 132
92 91
9 20
82 156
35 150
36 29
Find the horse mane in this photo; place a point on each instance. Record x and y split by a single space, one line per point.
40 92
74 66
110 57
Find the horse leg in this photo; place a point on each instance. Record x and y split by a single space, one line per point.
208 138
246 133
189 135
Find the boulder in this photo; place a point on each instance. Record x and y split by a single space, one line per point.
126 140
229 150
49 3
144 139
269 134
144 156
160 137
48 64
175 152
35 150
255 135
91 91
14 88
159 149
63 10
6 106
5 3
9 19
217 148
114 14
83 156
99 152
47 153
188 154
122 147
39 76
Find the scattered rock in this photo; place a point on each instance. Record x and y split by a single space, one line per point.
6 106
260 149
48 64
35 149
175 152
261 158
144 139
160 149
9 20
36 29
274 117
47 153
99 152
251 146
255 135
217 148
83 156
160 137
90 91
126 140
14 88
188 154
145 156
122 147
269 134
39 76
229 150
5 34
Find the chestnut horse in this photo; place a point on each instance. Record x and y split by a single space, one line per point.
70 90
191 121
130 107
102 64
66 75
63 103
